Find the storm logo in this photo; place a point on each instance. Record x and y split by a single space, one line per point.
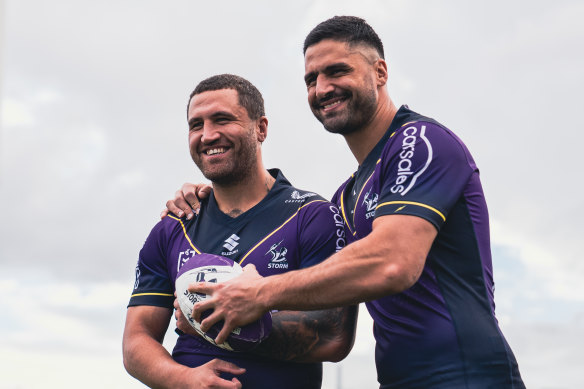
278 260
404 166
371 202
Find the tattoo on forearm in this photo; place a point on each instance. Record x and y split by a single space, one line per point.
295 334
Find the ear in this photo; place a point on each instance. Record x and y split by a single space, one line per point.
381 73
262 129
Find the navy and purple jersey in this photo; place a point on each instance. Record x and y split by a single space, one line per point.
289 229
441 332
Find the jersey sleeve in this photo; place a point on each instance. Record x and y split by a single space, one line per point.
152 285
424 171
321 232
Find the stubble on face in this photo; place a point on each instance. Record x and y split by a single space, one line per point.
238 168
360 109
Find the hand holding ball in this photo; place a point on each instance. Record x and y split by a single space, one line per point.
214 268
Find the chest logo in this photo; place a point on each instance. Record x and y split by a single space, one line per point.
370 202
278 253
230 244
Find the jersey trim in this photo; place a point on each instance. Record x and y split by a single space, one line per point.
277 229
343 213
152 294
185 233
414 203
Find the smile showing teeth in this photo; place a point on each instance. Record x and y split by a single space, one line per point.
219 150
332 105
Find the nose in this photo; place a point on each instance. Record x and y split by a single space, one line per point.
323 86
209 134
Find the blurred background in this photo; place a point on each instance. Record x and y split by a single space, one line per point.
93 141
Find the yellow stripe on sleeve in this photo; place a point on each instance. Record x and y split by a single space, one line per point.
153 294
414 203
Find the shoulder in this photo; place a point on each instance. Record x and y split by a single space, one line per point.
428 137
336 199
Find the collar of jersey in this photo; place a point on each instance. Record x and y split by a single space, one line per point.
280 184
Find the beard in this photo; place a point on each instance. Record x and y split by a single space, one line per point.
236 169
359 111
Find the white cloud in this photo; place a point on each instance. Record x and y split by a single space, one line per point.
16 114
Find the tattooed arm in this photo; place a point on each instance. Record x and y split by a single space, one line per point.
311 336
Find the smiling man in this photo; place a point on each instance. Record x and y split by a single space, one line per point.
252 215
416 215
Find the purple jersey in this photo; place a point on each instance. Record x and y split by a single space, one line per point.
289 229
441 332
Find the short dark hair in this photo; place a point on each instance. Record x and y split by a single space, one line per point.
249 96
349 29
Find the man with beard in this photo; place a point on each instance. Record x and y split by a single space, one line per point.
416 215
252 215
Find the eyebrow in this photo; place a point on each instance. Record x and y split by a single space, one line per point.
328 69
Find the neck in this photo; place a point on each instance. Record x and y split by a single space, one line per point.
233 200
362 141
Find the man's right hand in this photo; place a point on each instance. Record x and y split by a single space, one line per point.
209 375
187 200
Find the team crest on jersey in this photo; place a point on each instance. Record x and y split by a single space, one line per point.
296 197
230 244
278 253
184 256
370 201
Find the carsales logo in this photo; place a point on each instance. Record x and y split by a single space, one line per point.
404 166
340 225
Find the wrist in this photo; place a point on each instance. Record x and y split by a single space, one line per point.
264 295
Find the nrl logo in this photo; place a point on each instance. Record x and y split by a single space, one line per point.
184 256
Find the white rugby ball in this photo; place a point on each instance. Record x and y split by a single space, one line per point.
214 268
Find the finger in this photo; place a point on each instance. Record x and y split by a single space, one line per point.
220 365
172 207
202 287
250 267
224 333
204 191
164 213
181 203
208 322
192 199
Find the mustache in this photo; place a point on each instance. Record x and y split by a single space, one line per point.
329 96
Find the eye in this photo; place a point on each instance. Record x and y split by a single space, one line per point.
310 81
195 126
337 72
222 120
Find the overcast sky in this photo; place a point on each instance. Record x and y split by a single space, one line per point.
93 142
